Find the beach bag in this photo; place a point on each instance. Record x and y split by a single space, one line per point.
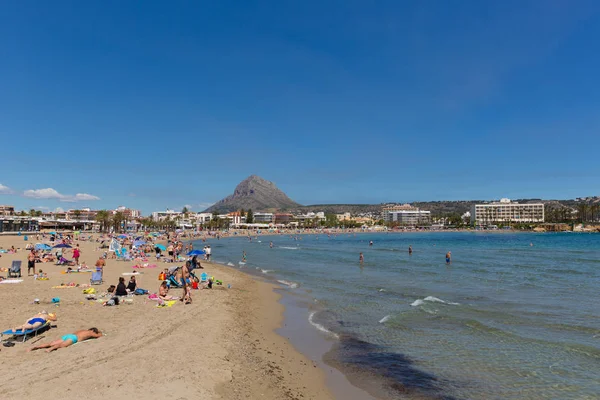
140 292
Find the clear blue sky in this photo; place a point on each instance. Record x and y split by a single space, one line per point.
160 104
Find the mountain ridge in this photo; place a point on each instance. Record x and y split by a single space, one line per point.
254 193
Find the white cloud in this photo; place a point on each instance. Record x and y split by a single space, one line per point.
85 197
5 189
50 193
59 210
205 205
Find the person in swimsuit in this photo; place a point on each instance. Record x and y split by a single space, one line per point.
361 258
409 249
31 262
36 321
448 257
67 340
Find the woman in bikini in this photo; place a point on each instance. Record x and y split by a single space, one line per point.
36 321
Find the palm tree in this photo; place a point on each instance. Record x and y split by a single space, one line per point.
582 210
103 217
117 221
77 214
594 211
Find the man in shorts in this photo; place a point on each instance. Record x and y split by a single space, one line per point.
208 252
31 262
67 340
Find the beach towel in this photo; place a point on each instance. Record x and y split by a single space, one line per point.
11 281
168 303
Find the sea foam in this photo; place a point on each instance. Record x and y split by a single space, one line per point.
320 327
292 285
432 299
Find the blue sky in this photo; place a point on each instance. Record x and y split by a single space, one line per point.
161 104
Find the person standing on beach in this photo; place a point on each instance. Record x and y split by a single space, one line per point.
31 262
208 253
76 254
448 257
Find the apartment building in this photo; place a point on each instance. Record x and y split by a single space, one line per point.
505 211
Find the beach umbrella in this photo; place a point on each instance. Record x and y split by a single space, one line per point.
138 243
122 236
62 246
160 246
196 253
52 233
42 246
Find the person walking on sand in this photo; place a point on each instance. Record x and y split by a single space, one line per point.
31 262
76 254
448 257
67 340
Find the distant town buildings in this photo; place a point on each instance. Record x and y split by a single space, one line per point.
7 210
405 214
163 215
505 211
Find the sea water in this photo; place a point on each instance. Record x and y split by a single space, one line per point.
514 316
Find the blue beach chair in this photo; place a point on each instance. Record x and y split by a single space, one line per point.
15 269
96 278
24 334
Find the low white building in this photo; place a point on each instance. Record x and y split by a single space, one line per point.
506 211
310 216
264 217
163 215
409 217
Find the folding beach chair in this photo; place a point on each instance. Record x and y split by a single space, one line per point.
96 278
24 333
15 269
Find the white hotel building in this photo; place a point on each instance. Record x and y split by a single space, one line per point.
405 214
506 211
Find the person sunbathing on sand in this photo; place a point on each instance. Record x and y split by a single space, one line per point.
163 292
67 340
36 321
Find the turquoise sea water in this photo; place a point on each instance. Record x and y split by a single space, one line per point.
506 320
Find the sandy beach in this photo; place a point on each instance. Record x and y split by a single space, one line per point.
223 346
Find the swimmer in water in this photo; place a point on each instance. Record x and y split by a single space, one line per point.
371 243
244 256
361 258
448 257
410 249
271 245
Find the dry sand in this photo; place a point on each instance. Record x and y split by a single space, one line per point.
222 346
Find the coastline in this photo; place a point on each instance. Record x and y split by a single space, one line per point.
224 345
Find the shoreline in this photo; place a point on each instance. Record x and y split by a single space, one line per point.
222 346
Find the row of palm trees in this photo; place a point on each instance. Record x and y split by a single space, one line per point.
588 212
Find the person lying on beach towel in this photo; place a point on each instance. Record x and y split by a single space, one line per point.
67 340
36 321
